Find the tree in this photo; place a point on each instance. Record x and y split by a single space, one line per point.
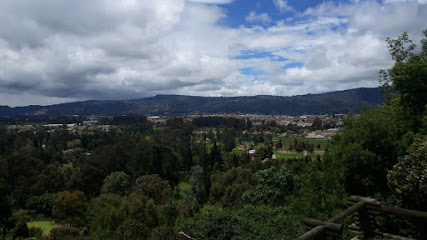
408 178
407 77
20 231
249 222
132 230
105 222
5 211
317 123
274 186
116 183
165 163
279 144
153 186
70 208
228 139
371 144
215 157
366 149
228 188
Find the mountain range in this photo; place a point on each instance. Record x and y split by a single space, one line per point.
331 102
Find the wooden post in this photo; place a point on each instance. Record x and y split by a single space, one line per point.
365 223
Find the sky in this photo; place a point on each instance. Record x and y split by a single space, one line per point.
55 51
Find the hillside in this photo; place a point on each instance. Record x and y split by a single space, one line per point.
333 102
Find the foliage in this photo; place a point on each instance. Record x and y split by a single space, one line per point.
134 218
335 102
20 231
408 77
70 208
35 232
408 178
42 204
45 226
368 147
126 183
273 186
132 230
64 232
249 222
227 188
152 186
5 211
116 183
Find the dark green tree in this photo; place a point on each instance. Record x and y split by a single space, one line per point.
408 178
154 187
70 208
116 183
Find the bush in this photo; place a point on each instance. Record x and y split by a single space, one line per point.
64 232
20 231
35 232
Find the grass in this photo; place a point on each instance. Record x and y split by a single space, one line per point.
46 226
67 165
287 140
237 151
182 186
287 156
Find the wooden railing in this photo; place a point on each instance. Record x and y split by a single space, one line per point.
364 211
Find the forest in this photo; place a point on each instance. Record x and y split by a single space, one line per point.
186 179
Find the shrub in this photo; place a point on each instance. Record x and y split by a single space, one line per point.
20 231
64 232
35 232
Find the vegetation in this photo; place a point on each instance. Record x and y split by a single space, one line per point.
199 179
335 102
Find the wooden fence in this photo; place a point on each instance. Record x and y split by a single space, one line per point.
364 212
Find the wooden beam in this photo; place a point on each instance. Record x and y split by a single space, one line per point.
404 212
314 233
356 207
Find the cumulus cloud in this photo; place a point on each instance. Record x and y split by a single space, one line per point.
283 6
58 51
254 17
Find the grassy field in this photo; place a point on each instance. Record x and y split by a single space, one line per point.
288 140
237 151
46 226
287 156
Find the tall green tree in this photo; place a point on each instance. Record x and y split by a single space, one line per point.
408 178
70 208
116 183
408 77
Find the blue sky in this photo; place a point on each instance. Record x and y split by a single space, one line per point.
238 10
54 51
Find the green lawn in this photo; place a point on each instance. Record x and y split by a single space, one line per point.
286 141
237 151
46 226
281 156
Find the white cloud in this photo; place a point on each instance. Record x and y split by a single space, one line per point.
254 17
105 49
283 6
212 1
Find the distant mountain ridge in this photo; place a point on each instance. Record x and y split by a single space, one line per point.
332 102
